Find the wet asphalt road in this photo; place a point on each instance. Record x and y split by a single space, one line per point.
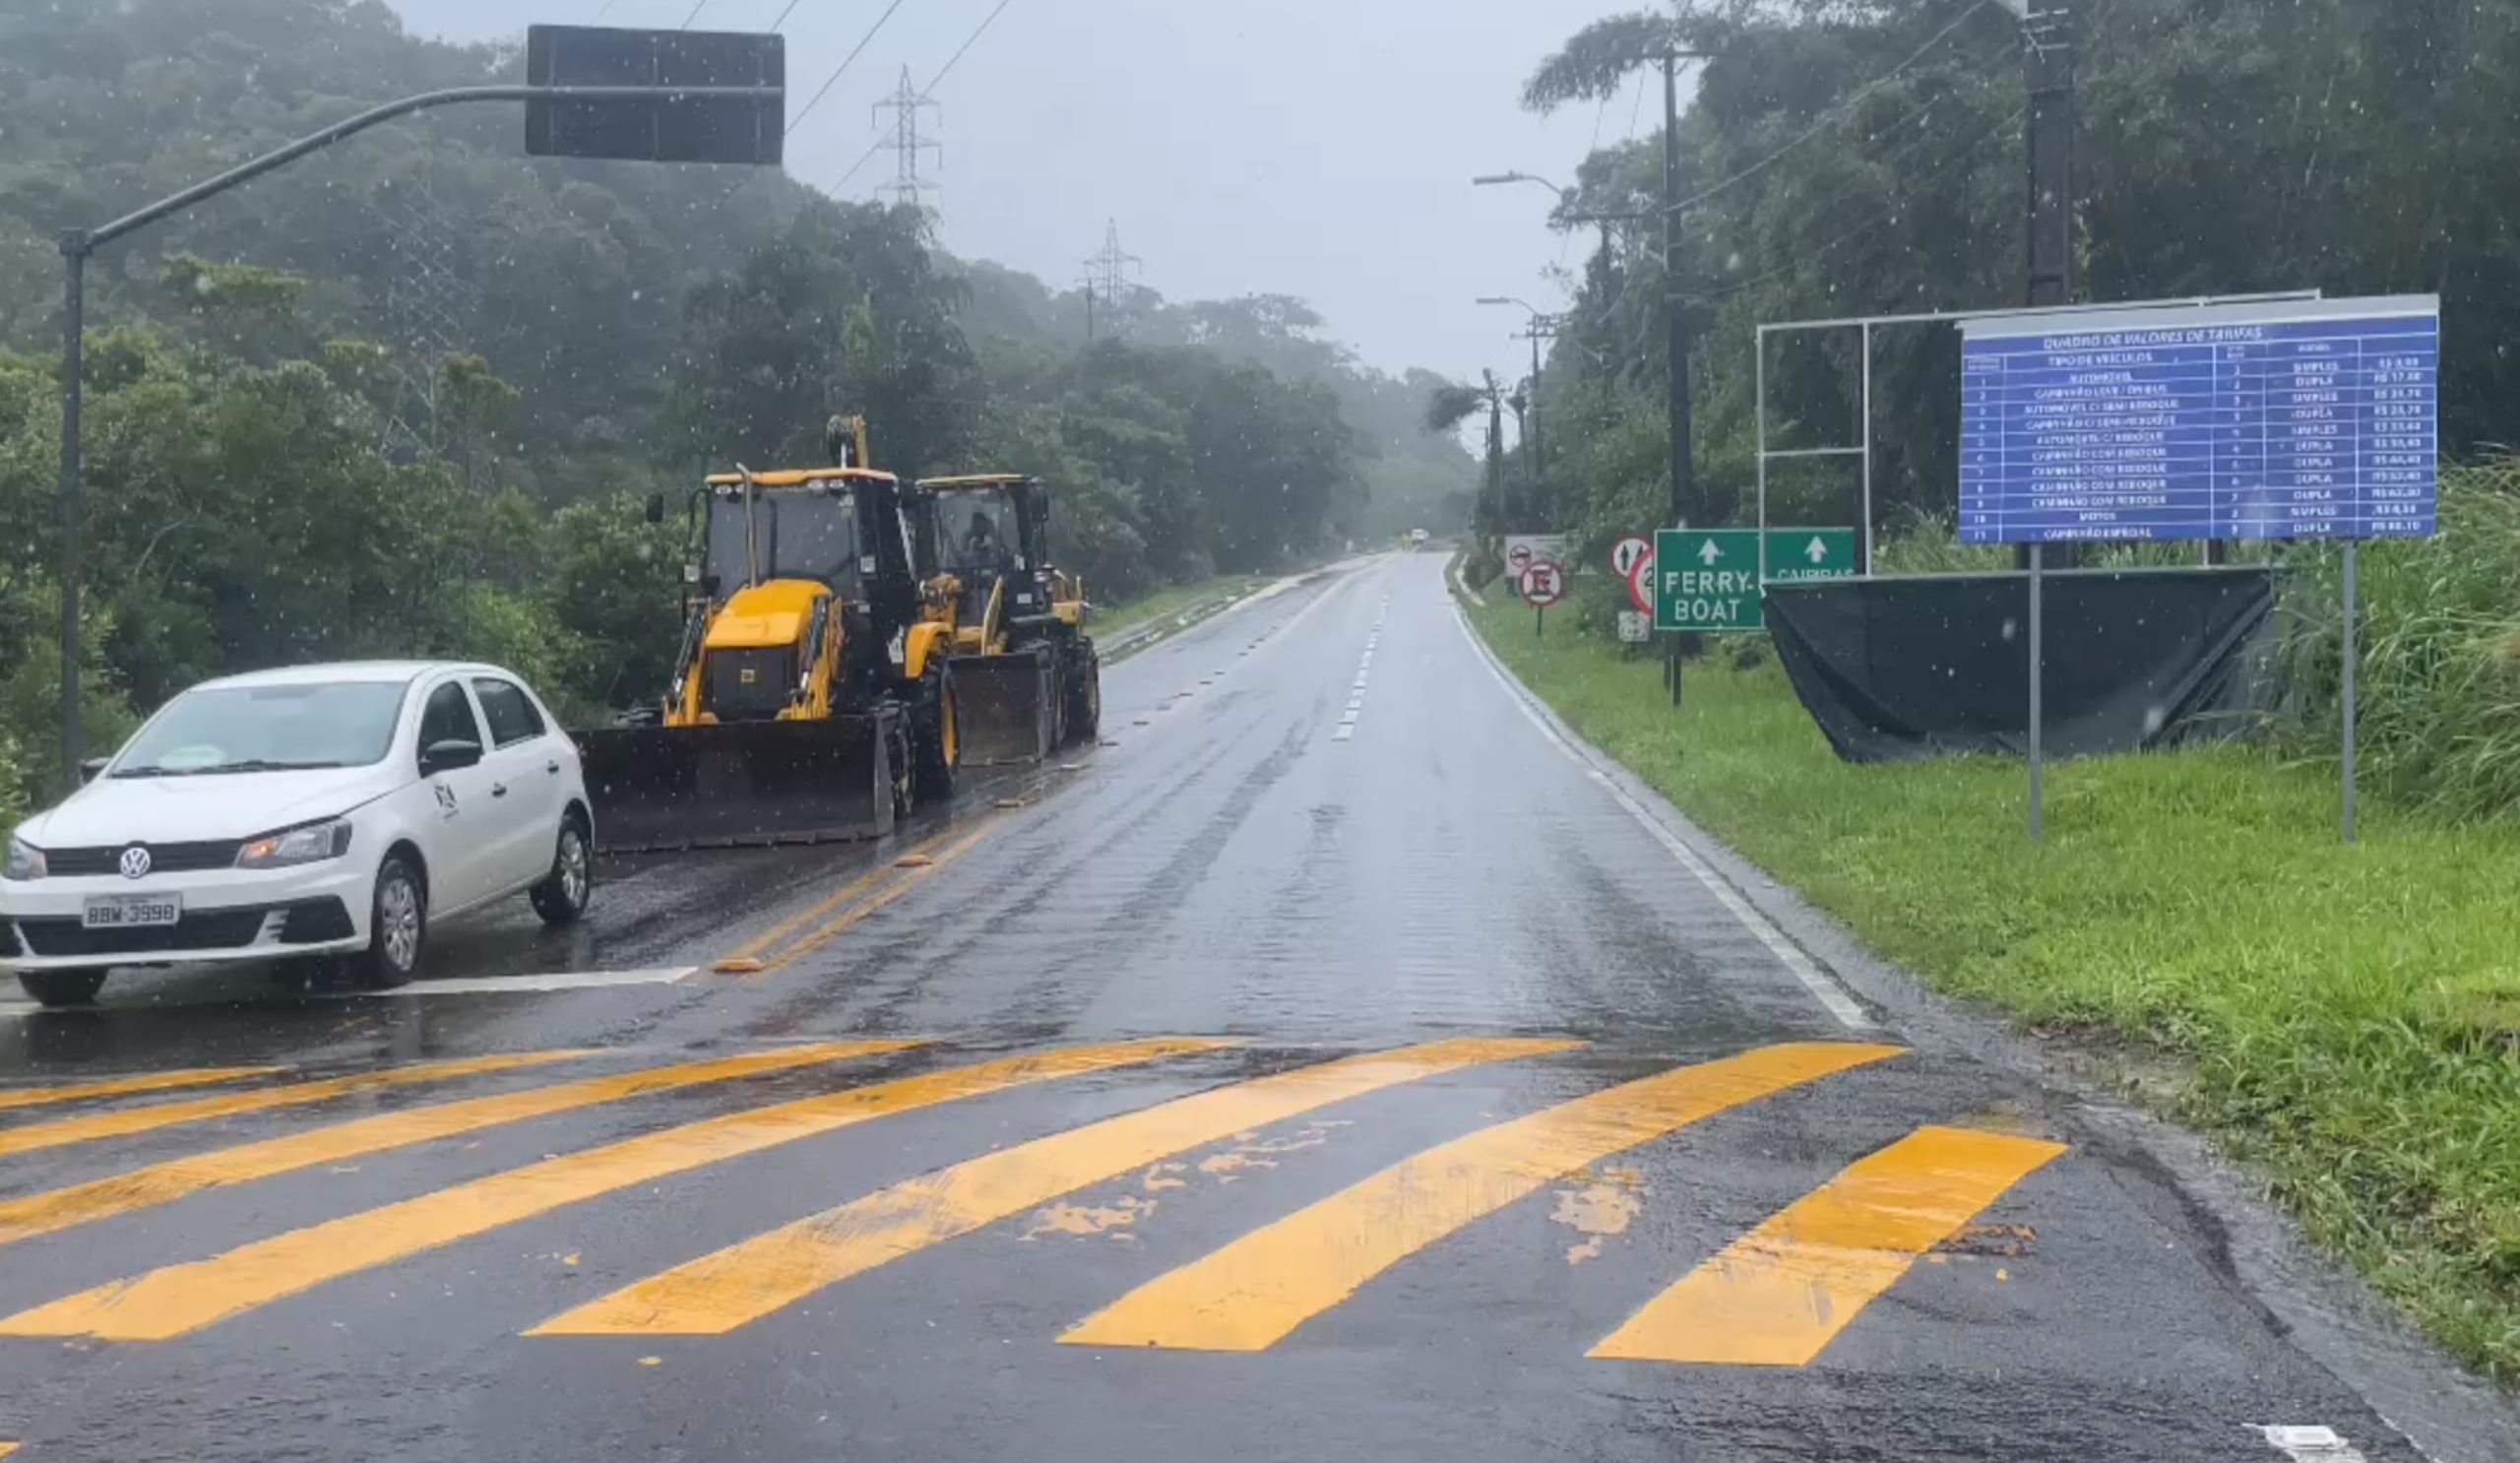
1332 1066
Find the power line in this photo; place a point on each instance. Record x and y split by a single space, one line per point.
865 157
1834 114
841 69
695 15
967 41
959 52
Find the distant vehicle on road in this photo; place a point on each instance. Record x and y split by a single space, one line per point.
319 813
1418 537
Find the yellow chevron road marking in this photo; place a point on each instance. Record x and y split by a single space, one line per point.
181 1299
35 1096
163 1184
1247 1296
1780 1294
743 1283
130 1121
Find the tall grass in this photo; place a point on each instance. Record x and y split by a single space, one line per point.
2438 652
2438 640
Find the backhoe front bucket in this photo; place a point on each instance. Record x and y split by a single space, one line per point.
744 783
1005 706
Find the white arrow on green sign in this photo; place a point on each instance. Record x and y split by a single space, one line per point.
1706 581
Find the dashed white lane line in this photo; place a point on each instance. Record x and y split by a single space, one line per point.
1823 987
1345 730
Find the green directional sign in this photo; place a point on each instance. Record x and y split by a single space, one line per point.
1810 553
1706 581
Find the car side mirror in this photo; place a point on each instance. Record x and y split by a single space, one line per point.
655 507
93 769
449 755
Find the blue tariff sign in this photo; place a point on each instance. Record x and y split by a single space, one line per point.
2289 420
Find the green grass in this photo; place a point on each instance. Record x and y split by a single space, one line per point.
2347 1019
1172 600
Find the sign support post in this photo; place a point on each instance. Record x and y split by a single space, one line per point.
2349 689
2038 674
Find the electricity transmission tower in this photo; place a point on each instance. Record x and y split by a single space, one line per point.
905 104
1107 280
426 301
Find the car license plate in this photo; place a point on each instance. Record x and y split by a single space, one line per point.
131 911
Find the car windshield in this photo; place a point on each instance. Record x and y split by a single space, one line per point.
794 535
267 728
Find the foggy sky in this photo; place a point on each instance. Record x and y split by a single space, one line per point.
1314 147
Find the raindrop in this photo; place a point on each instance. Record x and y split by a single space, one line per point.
2011 627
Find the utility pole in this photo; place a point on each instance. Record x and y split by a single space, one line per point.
905 104
1089 309
1684 505
2047 75
1541 328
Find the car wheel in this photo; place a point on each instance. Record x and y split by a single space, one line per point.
62 987
561 898
398 927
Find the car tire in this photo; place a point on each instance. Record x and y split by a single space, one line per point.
562 896
398 927
62 987
936 746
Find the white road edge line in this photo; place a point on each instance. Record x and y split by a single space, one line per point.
497 985
1823 987
2308 1444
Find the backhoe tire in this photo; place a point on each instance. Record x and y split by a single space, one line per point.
1083 695
937 738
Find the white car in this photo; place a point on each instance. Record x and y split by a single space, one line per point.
323 811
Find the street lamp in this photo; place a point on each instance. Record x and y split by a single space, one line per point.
1486 180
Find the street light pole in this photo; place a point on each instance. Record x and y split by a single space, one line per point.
78 243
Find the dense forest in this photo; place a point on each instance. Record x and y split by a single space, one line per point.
1847 157
403 397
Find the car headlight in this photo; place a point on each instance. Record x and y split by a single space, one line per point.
311 843
26 860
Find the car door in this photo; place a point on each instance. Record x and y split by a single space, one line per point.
465 826
526 767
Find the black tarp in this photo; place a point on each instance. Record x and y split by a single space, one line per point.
1895 670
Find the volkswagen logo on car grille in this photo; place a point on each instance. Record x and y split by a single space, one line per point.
135 861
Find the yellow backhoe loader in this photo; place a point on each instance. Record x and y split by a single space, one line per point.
812 699
1026 671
